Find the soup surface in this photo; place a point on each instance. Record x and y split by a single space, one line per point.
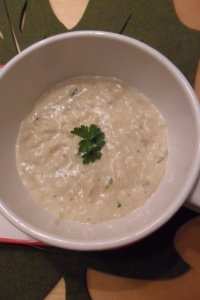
133 158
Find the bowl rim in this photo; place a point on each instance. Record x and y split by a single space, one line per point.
74 244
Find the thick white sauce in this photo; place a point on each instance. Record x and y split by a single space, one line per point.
133 160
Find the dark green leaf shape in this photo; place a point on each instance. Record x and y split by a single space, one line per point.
85 146
40 22
92 143
91 156
157 25
94 132
7 46
153 22
149 21
152 258
25 273
81 131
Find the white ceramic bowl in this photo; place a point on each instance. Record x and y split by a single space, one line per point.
57 58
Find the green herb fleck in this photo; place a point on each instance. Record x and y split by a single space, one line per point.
160 160
93 140
163 157
109 183
119 204
74 92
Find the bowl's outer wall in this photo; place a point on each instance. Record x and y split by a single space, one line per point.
67 55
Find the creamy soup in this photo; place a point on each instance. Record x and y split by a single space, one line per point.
133 159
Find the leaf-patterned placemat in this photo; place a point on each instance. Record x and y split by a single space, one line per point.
28 273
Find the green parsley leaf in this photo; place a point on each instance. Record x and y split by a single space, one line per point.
81 131
85 146
119 204
93 139
91 156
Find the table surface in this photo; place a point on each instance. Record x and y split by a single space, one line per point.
104 286
188 12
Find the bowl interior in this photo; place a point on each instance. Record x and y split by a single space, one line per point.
64 56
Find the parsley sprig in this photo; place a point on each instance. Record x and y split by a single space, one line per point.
93 140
